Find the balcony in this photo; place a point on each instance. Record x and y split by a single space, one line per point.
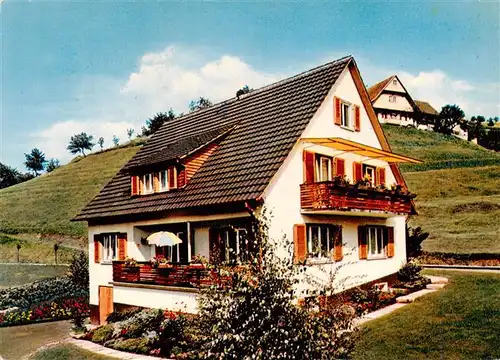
174 275
330 197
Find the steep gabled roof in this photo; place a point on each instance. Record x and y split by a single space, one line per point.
426 108
267 123
375 90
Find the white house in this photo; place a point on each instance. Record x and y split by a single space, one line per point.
204 175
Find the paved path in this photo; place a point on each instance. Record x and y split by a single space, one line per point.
16 342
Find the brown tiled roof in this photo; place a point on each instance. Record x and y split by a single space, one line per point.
375 90
154 152
268 122
426 108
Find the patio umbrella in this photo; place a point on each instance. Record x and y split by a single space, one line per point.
163 238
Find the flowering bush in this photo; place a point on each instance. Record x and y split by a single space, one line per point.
64 309
129 261
160 260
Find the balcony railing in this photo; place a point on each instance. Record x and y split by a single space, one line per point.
178 275
328 195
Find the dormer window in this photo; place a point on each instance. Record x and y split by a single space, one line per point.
147 183
394 82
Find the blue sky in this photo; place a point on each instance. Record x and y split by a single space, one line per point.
102 67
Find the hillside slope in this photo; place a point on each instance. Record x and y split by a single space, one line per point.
46 204
458 189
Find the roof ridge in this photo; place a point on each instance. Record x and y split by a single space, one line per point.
266 87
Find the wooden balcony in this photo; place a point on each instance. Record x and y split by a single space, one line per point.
329 196
178 275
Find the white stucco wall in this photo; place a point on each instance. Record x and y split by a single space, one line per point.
155 298
401 104
282 197
395 87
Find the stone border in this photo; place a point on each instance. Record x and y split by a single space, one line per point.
437 283
102 350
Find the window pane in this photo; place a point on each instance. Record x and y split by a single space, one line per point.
325 165
380 241
113 246
314 239
163 180
325 241
373 241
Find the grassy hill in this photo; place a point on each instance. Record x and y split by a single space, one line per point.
46 204
458 189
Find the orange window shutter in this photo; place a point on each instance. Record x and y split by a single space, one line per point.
135 185
357 118
362 245
338 252
300 242
337 113
308 158
181 178
122 246
357 171
390 242
97 249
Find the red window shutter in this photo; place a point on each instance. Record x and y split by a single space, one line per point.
339 167
308 158
135 185
171 178
156 182
338 252
337 113
97 249
390 242
300 242
362 245
122 246
357 118
380 175
357 171
181 178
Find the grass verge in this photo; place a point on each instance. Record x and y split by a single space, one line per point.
68 352
461 321
15 275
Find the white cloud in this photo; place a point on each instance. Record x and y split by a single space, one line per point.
172 77
163 80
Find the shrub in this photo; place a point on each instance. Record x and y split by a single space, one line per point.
46 290
141 323
103 334
410 271
172 332
137 345
117 316
414 239
79 270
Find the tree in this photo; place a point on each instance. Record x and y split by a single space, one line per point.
130 132
101 142
491 122
80 143
244 90
414 239
449 117
52 164
154 124
201 103
256 318
35 161
116 140
474 127
8 176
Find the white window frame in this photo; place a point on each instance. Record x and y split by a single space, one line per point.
366 171
109 250
394 81
149 190
163 175
392 98
346 116
376 249
329 233
227 248
320 168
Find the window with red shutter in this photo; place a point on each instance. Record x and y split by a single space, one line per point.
357 118
308 160
357 171
339 167
362 244
135 185
380 176
337 115
300 242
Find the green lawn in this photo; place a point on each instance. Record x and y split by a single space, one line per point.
14 275
47 204
461 321
459 207
68 352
